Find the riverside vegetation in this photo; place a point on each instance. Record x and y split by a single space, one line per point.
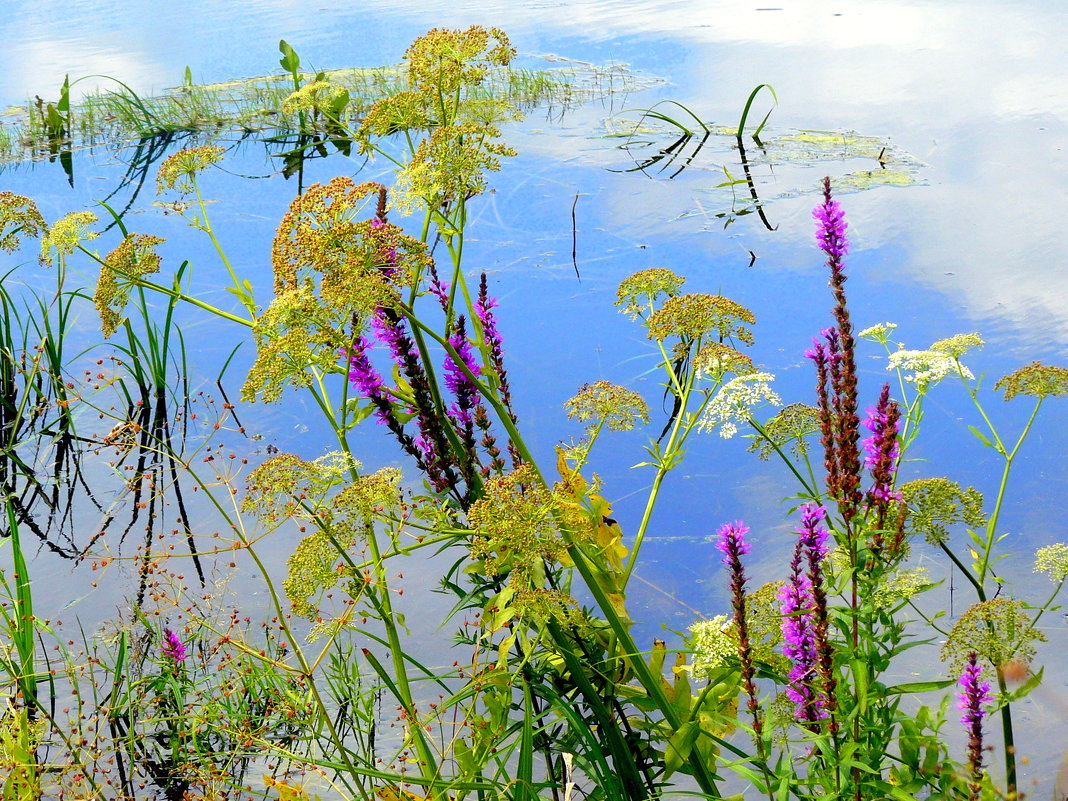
549 694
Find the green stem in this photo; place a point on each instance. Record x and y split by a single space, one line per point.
1006 733
991 525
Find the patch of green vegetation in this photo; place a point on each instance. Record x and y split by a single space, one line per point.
870 179
116 116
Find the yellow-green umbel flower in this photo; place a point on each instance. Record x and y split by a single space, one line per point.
449 166
19 217
956 346
1037 380
179 169
716 359
134 258
935 504
443 61
404 111
66 234
1053 561
999 631
608 404
514 529
639 292
313 96
312 568
790 426
697 314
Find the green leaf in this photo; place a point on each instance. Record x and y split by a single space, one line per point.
920 686
679 747
290 61
979 435
860 677
1026 687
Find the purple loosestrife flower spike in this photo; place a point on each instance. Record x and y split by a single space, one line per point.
845 486
462 388
438 289
975 694
812 547
883 434
466 393
821 358
799 645
368 381
831 225
484 306
733 546
172 649
881 454
813 534
388 330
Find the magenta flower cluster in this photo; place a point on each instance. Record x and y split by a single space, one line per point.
831 227
173 649
975 693
731 542
457 380
800 619
881 449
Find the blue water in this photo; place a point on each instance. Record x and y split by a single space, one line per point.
973 90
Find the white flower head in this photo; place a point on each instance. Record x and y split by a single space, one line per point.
879 332
713 642
928 367
735 402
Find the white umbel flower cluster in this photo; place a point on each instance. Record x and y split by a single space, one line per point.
880 332
713 643
735 402
927 367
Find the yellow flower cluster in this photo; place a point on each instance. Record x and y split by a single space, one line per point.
640 291
999 631
698 314
789 426
935 504
66 234
443 61
514 531
313 96
332 270
179 169
1037 380
449 166
134 258
715 360
18 215
608 404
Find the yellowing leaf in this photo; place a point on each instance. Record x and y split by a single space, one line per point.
286 792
